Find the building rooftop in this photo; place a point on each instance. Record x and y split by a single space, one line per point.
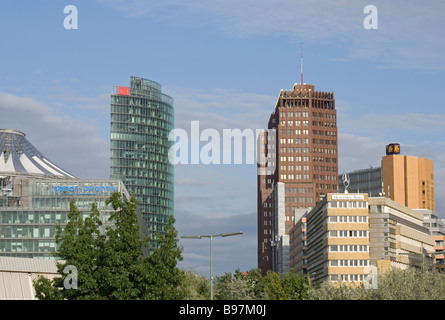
19 157
17 275
28 265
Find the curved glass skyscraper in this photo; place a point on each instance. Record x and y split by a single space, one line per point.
141 119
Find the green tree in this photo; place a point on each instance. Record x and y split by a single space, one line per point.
397 284
80 244
409 284
273 287
240 289
296 287
166 277
337 291
120 265
256 280
110 265
221 286
287 286
195 286
239 286
252 285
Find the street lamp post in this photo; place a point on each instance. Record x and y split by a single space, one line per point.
211 251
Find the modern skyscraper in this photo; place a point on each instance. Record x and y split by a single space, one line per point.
305 124
141 119
409 180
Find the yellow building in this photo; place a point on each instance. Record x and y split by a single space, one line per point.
409 180
351 235
338 239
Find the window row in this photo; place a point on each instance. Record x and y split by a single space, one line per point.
299 150
305 158
324 159
294 176
296 131
324 177
297 158
300 101
324 141
324 168
324 133
301 199
140 105
296 140
348 204
120 123
324 150
323 124
347 277
348 263
348 234
304 114
291 123
27 246
327 186
300 190
348 248
124 170
292 168
47 217
353 219
324 115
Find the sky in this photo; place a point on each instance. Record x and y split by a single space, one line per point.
224 63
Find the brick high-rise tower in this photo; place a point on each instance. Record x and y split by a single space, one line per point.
305 124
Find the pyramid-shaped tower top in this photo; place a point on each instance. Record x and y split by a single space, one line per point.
19 157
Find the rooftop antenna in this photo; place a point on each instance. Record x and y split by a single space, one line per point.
301 62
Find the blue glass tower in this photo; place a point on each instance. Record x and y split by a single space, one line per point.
141 120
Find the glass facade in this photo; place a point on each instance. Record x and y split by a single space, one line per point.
141 120
30 210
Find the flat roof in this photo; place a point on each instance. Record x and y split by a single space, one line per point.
29 265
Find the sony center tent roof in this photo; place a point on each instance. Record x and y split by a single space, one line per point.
19 157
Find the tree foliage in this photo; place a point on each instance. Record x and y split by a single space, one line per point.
195 286
397 284
288 286
252 285
110 264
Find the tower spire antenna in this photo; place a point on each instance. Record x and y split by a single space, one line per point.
301 61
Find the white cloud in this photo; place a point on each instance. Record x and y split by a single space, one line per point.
408 35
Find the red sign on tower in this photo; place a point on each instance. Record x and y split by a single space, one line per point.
124 91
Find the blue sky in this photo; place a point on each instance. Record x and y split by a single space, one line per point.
224 63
